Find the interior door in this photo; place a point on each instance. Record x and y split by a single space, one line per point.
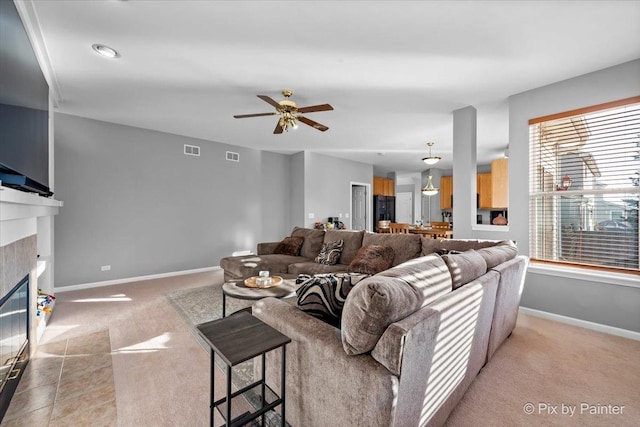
404 207
359 207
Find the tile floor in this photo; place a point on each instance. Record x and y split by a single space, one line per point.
67 383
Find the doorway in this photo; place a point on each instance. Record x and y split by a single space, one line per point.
404 207
360 207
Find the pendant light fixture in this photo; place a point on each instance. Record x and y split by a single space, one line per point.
430 190
431 160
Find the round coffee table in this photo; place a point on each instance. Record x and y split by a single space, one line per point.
237 289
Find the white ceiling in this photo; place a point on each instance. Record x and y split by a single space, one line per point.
393 71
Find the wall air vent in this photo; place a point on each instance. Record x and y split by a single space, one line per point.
191 150
233 157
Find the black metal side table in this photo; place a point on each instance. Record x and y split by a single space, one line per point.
235 339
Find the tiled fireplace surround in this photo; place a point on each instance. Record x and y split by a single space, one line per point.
19 259
26 231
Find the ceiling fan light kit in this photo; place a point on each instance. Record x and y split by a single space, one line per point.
431 160
289 113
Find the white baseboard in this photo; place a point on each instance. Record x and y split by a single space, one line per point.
132 279
582 323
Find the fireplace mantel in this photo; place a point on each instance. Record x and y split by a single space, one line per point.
19 212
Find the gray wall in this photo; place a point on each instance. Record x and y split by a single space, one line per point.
327 182
134 201
595 301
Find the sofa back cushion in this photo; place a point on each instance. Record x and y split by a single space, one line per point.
405 246
502 252
430 246
312 241
465 267
385 298
352 242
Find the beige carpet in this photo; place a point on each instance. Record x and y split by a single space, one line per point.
161 373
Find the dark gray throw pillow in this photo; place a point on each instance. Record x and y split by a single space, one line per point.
330 253
372 259
443 251
289 246
323 295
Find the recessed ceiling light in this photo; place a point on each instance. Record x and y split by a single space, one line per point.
106 51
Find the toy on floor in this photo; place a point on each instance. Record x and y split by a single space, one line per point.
44 302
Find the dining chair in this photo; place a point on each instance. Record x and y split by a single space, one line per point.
383 226
399 228
442 228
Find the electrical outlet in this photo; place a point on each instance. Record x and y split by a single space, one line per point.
312 216
105 268
339 215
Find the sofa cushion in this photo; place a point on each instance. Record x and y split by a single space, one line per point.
385 298
465 267
372 259
289 246
312 241
330 252
352 242
405 246
502 252
323 296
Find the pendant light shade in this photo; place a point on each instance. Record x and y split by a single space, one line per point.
429 190
431 160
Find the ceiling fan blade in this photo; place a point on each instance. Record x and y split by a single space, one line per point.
268 100
313 124
278 128
322 107
244 116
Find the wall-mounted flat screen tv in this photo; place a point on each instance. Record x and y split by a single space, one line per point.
24 105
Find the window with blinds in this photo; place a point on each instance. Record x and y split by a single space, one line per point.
584 186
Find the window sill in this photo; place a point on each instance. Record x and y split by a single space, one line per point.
489 227
612 278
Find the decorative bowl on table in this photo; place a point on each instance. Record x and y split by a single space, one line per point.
257 282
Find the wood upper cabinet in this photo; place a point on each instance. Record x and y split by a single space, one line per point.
483 183
446 192
383 186
500 183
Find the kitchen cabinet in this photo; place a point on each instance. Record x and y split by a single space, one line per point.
483 186
446 192
500 183
383 186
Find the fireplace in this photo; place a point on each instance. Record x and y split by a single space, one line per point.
14 340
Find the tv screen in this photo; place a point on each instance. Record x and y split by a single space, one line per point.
24 105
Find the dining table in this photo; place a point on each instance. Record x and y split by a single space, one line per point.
430 232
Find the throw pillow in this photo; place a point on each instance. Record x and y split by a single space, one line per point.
330 252
289 246
323 295
372 259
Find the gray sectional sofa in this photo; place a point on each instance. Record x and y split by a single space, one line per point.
413 337
405 247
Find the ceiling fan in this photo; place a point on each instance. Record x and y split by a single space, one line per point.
290 113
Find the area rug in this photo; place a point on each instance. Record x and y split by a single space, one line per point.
200 305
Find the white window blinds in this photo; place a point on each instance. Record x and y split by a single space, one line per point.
584 186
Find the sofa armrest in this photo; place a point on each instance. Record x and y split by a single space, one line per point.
320 373
267 248
512 275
